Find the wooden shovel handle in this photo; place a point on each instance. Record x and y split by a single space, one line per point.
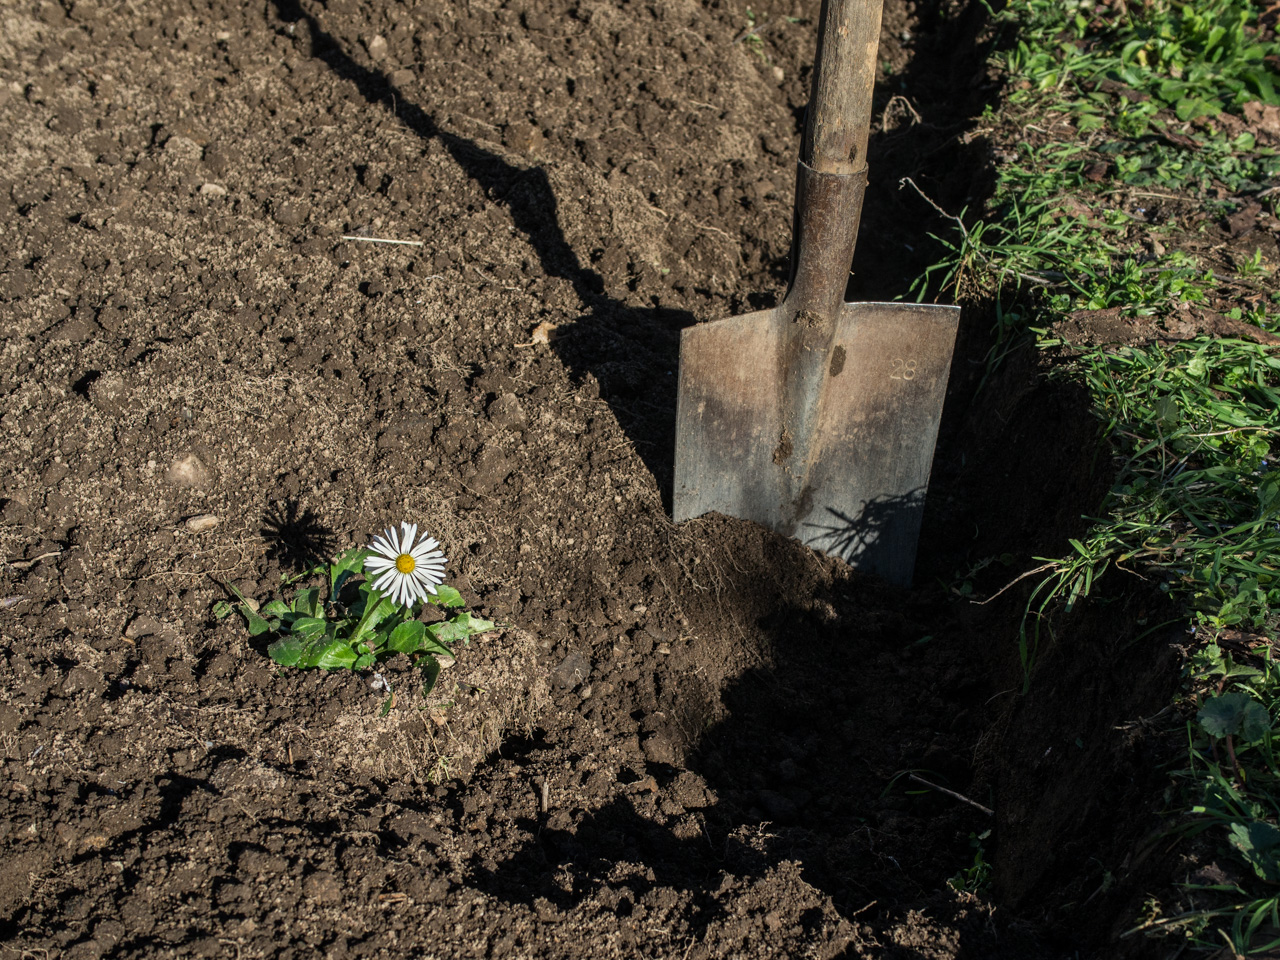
844 75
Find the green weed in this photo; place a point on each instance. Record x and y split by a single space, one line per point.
1197 58
1116 99
352 626
976 877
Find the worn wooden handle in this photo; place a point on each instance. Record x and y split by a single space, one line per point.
844 74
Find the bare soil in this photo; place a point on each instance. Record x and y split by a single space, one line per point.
686 740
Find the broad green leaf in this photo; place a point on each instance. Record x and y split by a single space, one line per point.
364 660
445 632
327 653
286 651
1269 496
473 624
307 602
1244 142
407 637
1261 82
376 609
433 646
221 610
1259 843
309 628
1223 716
257 625
1166 412
1192 108
1229 668
1127 54
430 668
1256 723
446 596
461 627
274 608
348 562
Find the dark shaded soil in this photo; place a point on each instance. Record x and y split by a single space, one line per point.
686 740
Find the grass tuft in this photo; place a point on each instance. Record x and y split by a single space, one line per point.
1142 135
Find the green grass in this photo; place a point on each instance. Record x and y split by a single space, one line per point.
1105 103
1197 58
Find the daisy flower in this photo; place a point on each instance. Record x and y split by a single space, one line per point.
403 571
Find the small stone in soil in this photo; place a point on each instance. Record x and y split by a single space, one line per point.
188 471
183 149
143 625
291 213
573 670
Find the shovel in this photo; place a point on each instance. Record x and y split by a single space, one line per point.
818 418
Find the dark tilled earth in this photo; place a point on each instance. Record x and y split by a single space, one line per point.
686 740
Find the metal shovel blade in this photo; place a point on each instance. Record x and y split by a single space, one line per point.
831 442
818 418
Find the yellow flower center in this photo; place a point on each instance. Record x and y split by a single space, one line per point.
405 563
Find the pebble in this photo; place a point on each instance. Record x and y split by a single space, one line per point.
291 213
109 392
15 511
212 190
542 332
201 523
143 625
506 411
76 329
377 47
571 671
189 471
183 149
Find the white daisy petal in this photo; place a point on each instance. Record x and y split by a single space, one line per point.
381 547
410 532
379 564
426 546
